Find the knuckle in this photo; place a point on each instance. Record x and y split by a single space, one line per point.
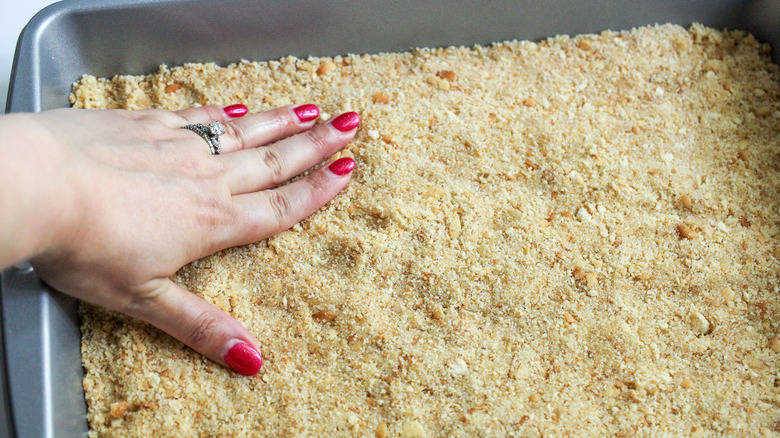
202 329
156 113
318 141
152 123
273 161
236 133
280 206
136 116
318 185
217 168
285 119
192 165
149 113
156 119
138 304
212 213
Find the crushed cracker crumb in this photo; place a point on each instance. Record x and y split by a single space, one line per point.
441 293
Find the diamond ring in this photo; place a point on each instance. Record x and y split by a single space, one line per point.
210 133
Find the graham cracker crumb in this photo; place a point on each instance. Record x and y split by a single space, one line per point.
380 98
118 409
448 75
445 291
381 430
686 232
774 344
686 202
326 67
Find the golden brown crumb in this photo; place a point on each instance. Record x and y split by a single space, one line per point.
387 138
118 409
686 202
590 280
727 293
381 430
448 75
699 323
324 316
326 67
440 83
438 311
380 98
172 88
774 344
686 232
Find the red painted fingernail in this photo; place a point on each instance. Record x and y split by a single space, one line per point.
342 166
346 122
307 113
237 110
244 359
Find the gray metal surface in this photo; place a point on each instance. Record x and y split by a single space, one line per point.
43 360
105 37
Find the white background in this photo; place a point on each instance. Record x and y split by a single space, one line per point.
14 15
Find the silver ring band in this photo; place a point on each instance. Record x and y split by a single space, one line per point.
210 133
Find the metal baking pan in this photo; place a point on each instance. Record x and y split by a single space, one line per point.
40 366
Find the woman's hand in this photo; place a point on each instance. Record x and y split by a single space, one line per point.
142 197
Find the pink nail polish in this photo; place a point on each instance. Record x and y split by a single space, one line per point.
346 122
307 113
244 359
237 110
342 166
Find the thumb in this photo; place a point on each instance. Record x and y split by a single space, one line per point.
202 326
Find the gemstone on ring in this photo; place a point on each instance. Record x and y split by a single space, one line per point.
210 133
216 129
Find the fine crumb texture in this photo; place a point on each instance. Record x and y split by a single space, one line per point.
574 237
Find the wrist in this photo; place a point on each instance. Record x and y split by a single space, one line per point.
36 196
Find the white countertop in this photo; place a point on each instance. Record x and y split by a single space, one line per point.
14 17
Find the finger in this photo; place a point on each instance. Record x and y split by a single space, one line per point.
212 113
266 213
257 169
200 325
202 114
266 127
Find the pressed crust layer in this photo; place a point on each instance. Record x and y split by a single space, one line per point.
574 237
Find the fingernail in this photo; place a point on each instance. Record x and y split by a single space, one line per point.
342 166
346 122
244 359
237 110
307 113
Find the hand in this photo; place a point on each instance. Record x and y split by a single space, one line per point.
145 197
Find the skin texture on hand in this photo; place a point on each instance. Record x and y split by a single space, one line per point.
134 198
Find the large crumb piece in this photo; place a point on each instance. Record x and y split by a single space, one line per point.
575 237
